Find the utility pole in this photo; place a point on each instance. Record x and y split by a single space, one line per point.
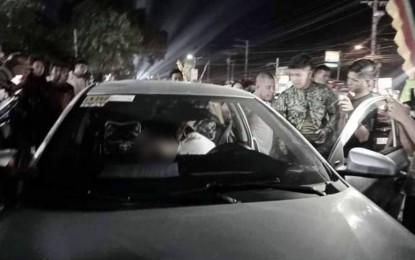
246 59
75 42
376 16
277 78
208 72
246 56
228 64
277 65
232 70
339 66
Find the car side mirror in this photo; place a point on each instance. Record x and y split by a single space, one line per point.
367 163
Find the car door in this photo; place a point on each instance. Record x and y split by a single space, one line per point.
384 191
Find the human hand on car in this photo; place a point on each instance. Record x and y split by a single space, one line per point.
398 111
321 136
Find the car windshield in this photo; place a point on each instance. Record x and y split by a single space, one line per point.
156 140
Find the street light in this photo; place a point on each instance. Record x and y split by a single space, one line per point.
359 47
193 58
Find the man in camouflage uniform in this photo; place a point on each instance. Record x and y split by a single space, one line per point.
309 106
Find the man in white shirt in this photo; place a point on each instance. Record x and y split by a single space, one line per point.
264 90
195 144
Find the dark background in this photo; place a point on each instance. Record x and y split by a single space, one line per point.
276 29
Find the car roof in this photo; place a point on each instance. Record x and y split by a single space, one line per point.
148 87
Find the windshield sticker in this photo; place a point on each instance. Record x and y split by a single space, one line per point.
121 98
382 141
95 101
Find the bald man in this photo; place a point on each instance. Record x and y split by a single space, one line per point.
264 90
265 86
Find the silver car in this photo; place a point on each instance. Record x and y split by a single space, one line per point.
379 173
165 170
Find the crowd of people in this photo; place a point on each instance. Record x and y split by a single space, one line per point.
319 111
316 108
310 105
43 90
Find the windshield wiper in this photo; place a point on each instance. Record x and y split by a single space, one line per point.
105 197
217 189
220 188
264 185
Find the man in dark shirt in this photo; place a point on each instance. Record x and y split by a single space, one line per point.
322 74
360 81
61 92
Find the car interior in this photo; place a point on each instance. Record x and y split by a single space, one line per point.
104 139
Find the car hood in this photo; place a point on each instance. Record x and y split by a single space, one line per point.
345 225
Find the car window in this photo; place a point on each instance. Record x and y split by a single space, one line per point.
372 115
148 137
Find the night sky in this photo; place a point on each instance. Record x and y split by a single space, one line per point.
275 28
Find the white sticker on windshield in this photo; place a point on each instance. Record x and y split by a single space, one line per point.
121 98
382 141
95 101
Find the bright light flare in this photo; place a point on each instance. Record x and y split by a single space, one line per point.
358 47
190 57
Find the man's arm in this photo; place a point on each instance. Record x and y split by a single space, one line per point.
406 141
280 104
400 113
332 111
367 127
408 125
362 133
